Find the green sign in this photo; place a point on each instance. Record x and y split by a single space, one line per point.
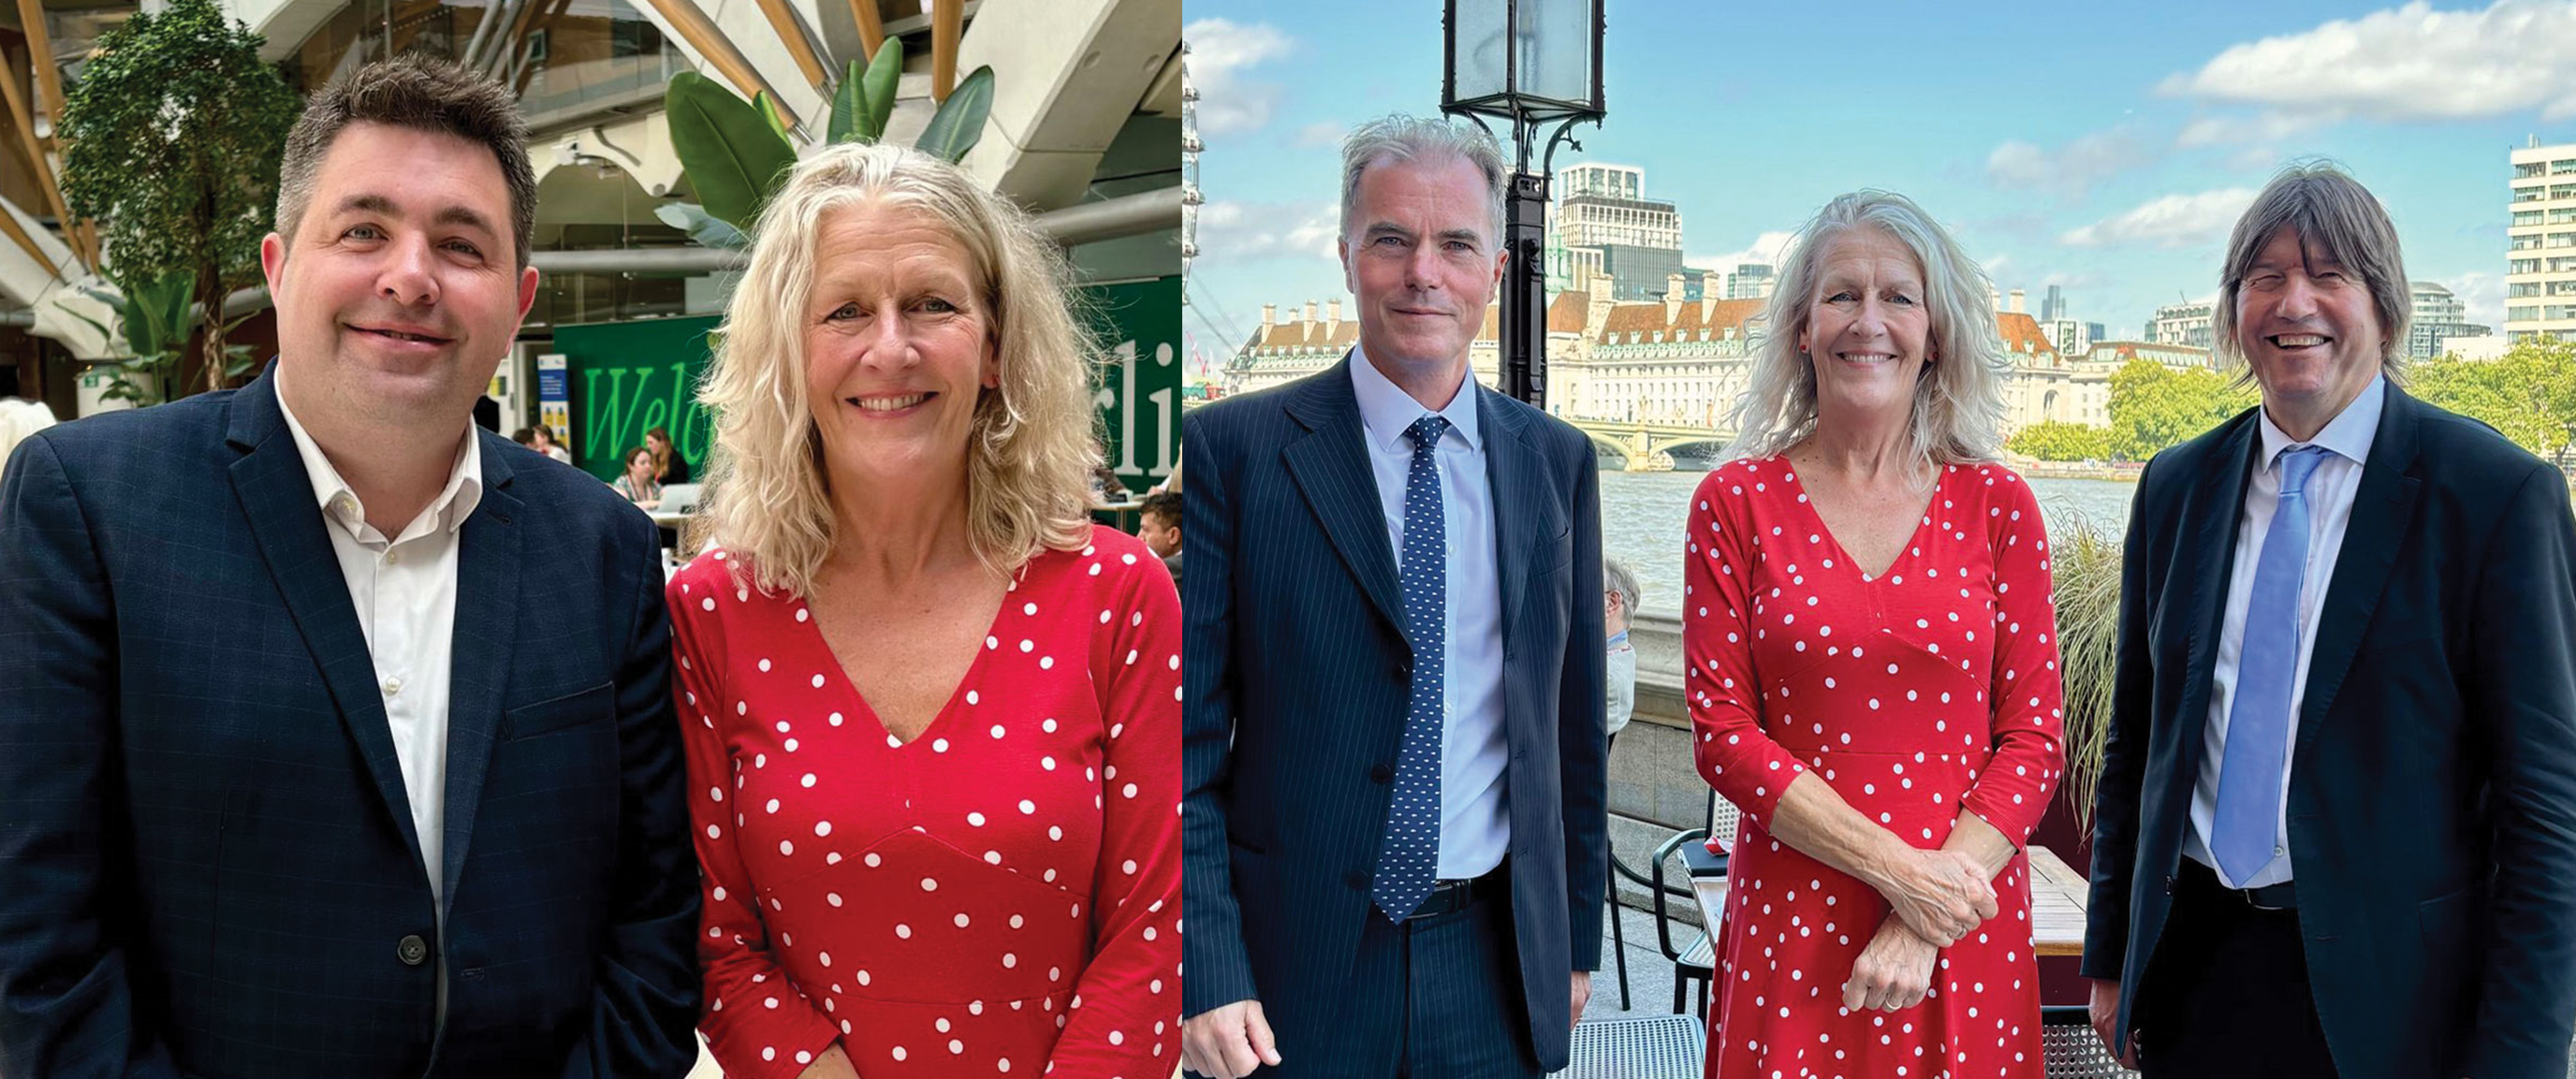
1139 395
630 377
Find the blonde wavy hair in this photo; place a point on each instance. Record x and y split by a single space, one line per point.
1029 452
1959 400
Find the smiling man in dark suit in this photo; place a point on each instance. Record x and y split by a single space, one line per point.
1393 750
2337 816
335 735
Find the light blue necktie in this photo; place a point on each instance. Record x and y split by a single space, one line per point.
2258 720
1410 862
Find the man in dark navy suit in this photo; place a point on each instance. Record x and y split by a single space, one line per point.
1393 750
2337 816
336 736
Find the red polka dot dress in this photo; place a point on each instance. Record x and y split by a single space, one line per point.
998 896
1914 692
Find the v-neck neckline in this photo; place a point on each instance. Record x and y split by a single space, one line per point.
840 673
1913 539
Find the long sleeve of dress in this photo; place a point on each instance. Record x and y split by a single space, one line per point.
1125 1015
758 1024
2027 695
1721 688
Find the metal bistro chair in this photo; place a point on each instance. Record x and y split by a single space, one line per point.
1655 1047
1695 961
2070 1049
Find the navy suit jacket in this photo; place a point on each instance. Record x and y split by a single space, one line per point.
207 859
1297 675
2432 806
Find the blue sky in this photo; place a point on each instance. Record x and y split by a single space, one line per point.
2103 149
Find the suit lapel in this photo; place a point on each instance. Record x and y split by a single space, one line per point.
1511 466
487 626
277 499
2383 508
2216 509
1330 465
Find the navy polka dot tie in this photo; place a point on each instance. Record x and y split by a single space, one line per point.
1410 863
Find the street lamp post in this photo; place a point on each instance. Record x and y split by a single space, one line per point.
1530 63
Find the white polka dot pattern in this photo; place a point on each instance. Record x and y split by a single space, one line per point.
1000 895
1918 693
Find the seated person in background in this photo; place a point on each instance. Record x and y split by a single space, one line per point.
637 483
668 465
525 436
1160 527
1618 605
545 444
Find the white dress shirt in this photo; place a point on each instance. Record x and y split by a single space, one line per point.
1475 822
404 590
2330 493
1622 682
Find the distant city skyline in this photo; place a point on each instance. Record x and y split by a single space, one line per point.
2104 153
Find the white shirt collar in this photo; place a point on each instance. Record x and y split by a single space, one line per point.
2349 434
1387 411
455 501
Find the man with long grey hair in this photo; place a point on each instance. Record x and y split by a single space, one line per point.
2337 814
1394 815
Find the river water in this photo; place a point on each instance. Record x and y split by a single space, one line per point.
1642 514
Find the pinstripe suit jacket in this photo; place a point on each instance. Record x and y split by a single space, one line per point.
1297 673
207 859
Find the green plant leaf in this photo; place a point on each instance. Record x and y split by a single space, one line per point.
734 160
849 105
701 226
959 123
769 111
884 73
163 303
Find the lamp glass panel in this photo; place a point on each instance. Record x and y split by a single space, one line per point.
1480 70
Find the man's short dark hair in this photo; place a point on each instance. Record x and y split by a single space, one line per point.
424 94
1164 505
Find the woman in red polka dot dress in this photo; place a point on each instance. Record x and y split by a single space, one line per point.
1873 675
931 711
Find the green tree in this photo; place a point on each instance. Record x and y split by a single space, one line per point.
174 135
2529 393
2053 440
2154 406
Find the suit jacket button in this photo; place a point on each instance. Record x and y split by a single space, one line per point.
1381 773
413 950
2169 883
1358 882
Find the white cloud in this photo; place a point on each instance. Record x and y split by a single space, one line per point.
1320 133
2171 221
2406 64
2069 170
2230 130
1238 232
2481 295
1765 248
1220 52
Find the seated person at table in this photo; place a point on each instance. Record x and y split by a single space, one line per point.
1159 526
637 483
